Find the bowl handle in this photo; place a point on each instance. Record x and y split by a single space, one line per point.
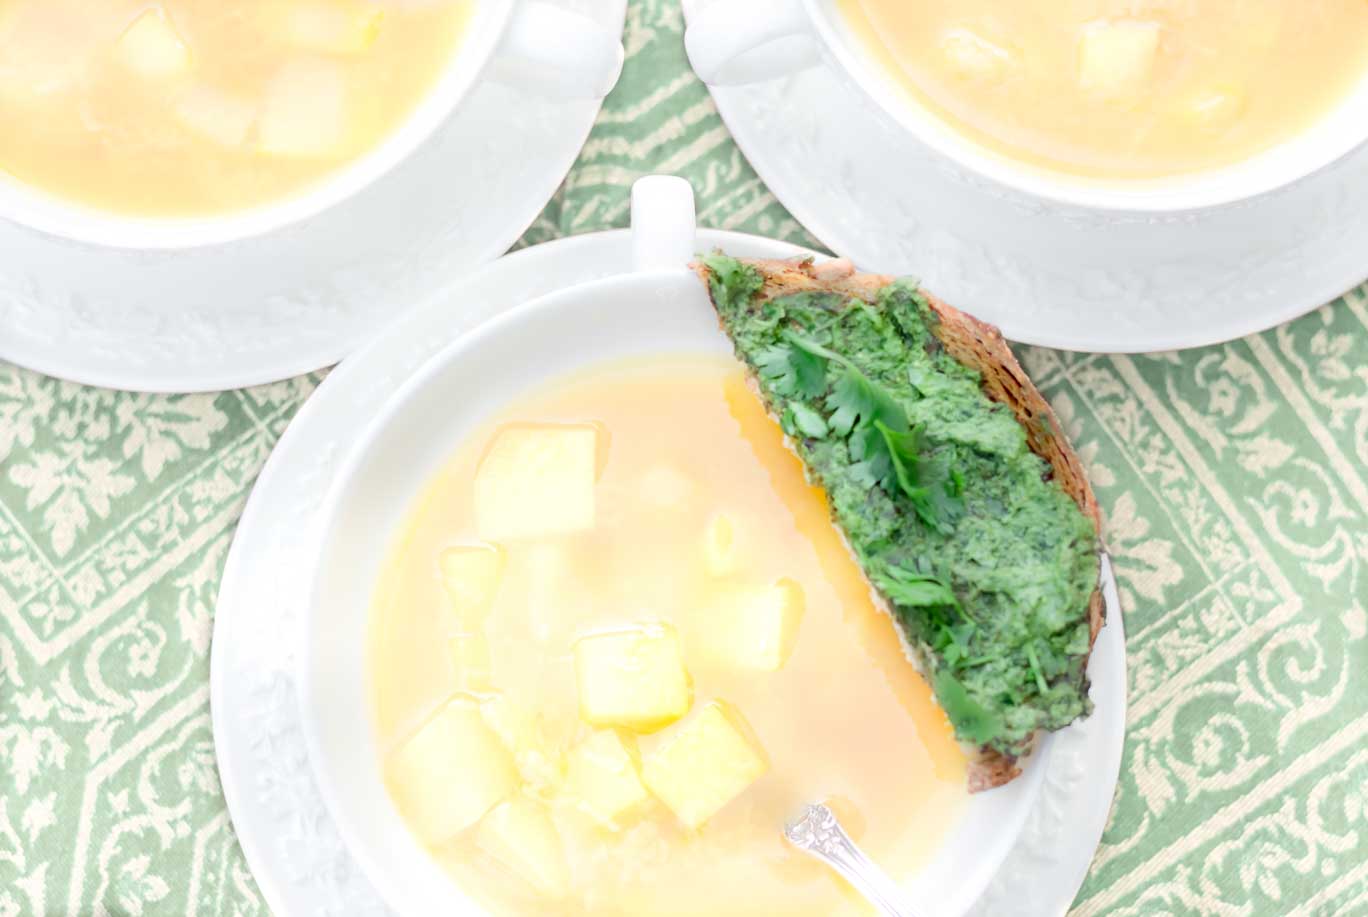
730 44
663 224
558 53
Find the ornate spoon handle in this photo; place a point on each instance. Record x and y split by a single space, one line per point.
817 832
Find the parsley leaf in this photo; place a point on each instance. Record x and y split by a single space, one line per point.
887 450
944 492
933 487
734 280
871 463
904 454
793 371
855 400
914 590
807 421
930 600
812 347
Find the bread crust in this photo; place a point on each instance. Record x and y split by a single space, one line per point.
981 347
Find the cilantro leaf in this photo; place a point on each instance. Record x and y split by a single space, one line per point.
904 458
944 491
815 349
889 451
735 281
855 400
871 464
807 421
793 371
914 590
933 487
935 603
775 368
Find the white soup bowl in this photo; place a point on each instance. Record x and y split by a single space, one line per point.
529 42
655 306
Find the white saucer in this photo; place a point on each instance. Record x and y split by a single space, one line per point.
269 308
289 840
1045 274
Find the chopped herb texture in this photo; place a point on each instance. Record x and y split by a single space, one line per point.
987 564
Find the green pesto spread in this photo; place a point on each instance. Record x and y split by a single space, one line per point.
986 562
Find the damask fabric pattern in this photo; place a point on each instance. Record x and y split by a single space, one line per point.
1235 484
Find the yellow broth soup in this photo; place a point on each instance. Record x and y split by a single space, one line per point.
1121 88
619 643
191 107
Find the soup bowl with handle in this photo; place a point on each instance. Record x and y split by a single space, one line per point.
737 43
654 306
527 42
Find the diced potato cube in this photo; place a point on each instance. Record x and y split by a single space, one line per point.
1116 57
537 480
522 732
305 112
709 761
470 661
520 835
214 115
972 56
722 540
1216 107
603 777
450 772
665 487
471 575
333 27
756 628
632 678
151 46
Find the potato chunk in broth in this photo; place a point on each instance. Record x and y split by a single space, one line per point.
194 107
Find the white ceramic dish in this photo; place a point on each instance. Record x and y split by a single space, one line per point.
301 297
586 60
290 841
720 40
658 308
1060 275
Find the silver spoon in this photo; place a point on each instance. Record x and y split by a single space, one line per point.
816 832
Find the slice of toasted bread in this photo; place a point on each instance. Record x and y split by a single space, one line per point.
982 348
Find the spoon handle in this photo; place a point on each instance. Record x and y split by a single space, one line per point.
817 832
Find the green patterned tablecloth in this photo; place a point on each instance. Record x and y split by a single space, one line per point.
1235 485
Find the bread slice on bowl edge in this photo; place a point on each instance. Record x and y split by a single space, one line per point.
979 347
